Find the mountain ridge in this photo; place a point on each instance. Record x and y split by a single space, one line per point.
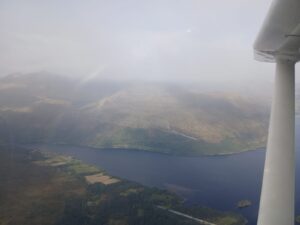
164 118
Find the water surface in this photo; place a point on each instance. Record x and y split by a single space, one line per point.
218 182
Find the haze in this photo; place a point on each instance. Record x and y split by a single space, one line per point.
202 40
140 112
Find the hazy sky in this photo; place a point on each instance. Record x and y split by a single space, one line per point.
206 40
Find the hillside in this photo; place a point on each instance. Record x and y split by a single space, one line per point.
168 118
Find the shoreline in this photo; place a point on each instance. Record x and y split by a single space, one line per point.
131 152
74 166
127 148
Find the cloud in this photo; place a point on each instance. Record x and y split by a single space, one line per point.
200 40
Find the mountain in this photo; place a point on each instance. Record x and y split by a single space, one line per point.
161 117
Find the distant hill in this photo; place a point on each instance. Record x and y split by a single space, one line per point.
100 113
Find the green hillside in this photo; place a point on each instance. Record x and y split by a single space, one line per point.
164 118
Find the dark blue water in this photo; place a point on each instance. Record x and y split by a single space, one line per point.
218 182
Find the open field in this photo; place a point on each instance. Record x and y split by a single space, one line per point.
101 178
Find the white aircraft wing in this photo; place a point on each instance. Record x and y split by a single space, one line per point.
280 33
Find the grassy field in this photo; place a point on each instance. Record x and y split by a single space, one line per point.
33 194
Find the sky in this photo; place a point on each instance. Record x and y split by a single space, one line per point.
206 41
